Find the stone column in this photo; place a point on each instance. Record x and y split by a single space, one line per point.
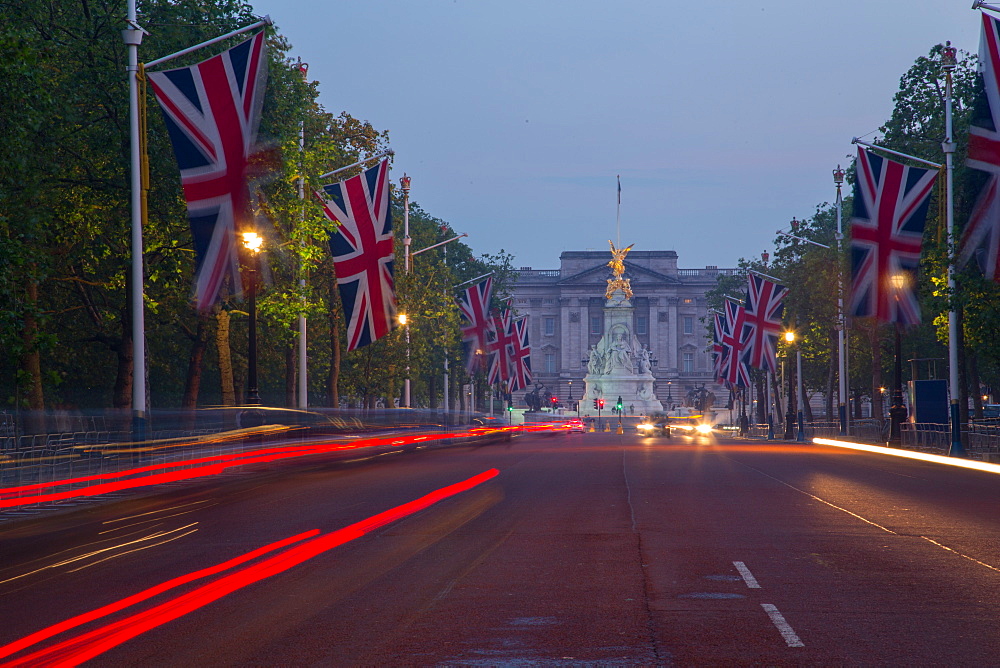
672 332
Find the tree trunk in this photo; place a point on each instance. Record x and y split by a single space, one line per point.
876 343
977 395
31 362
290 376
192 383
333 381
125 376
831 385
225 357
963 377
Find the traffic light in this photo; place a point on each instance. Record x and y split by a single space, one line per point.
618 406
595 404
600 403
554 401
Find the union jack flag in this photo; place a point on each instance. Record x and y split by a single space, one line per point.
474 304
734 370
982 232
520 376
718 350
500 334
890 208
212 111
363 254
762 322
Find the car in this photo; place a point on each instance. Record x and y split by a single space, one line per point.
657 427
575 425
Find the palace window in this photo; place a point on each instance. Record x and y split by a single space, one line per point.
689 324
595 324
688 362
550 326
550 363
640 325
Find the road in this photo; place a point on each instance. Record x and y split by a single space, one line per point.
582 549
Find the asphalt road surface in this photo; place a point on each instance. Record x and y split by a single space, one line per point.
580 549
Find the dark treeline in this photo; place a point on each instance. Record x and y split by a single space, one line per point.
65 325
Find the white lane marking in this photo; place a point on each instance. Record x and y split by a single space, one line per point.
747 575
878 526
784 628
813 496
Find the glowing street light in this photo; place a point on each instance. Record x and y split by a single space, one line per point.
253 243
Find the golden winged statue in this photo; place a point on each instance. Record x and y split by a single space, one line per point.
617 265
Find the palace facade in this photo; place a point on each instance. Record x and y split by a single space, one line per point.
566 309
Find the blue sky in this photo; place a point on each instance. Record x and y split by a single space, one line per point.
723 120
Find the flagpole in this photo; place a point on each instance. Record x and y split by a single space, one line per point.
266 21
980 4
845 429
357 164
948 63
132 35
883 149
618 222
303 345
770 278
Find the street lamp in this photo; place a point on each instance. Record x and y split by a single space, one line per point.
406 383
253 242
571 396
790 413
838 180
404 183
897 412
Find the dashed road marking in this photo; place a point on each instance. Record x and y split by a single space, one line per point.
747 575
784 628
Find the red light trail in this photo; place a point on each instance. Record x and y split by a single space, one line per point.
300 548
200 467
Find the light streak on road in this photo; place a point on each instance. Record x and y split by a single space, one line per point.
910 454
301 548
200 467
103 551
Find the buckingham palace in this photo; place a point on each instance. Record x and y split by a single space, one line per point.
566 309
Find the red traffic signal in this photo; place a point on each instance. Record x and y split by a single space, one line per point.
600 403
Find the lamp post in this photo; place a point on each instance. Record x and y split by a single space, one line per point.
670 399
790 414
404 321
838 180
897 412
949 61
571 394
405 181
252 241
404 184
801 435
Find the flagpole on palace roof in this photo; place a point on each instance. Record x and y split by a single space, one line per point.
618 221
132 36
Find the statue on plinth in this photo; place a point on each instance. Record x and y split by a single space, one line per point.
617 265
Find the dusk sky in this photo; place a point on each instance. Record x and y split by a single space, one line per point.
723 120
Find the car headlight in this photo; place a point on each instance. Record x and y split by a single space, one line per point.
704 428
